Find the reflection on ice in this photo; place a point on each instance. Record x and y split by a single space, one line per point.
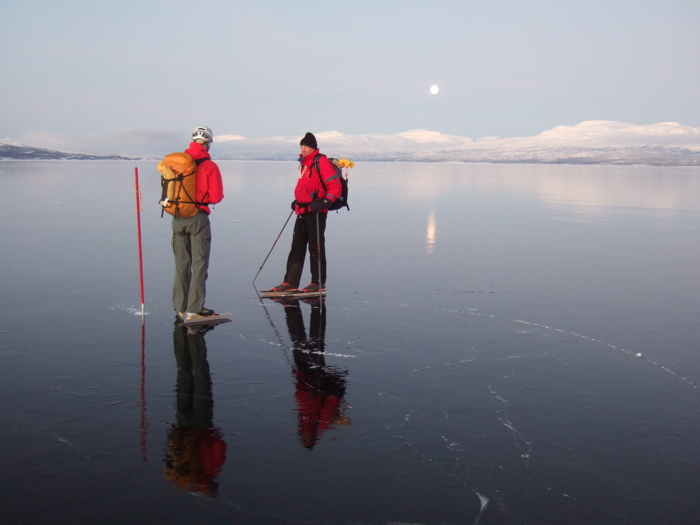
319 388
430 234
196 449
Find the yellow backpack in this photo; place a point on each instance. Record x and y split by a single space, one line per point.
178 182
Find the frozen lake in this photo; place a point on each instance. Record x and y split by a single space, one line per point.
500 344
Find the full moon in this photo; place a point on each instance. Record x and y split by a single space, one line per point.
434 89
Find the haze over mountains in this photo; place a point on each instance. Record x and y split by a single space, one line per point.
590 142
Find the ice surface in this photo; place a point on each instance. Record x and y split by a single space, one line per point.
477 359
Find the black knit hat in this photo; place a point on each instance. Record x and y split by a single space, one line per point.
309 140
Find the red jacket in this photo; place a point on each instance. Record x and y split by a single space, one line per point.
210 187
309 182
318 411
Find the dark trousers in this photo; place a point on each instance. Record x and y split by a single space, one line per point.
305 235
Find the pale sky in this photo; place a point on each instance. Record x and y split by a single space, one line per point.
267 68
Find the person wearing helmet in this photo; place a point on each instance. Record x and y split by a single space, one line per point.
192 235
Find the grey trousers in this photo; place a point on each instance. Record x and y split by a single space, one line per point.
191 246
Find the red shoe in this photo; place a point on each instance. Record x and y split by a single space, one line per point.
313 287
284 287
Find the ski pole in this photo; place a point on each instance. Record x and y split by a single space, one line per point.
273 247
318 253
274 328
138 226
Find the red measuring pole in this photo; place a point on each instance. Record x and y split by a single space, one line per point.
144 419
138 226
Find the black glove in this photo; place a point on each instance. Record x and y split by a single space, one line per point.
294 205
323 204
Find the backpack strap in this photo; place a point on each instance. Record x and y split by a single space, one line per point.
192 197
205 198
317 167
318 170
340 199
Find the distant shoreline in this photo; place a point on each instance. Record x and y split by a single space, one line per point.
10 152
621 156
691 163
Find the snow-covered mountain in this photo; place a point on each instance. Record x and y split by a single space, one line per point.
591 142
12 152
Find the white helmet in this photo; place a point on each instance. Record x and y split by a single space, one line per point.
202 133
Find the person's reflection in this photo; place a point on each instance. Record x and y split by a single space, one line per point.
320 389
196 449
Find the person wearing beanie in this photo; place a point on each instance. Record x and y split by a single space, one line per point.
313 194
309 140
192 235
